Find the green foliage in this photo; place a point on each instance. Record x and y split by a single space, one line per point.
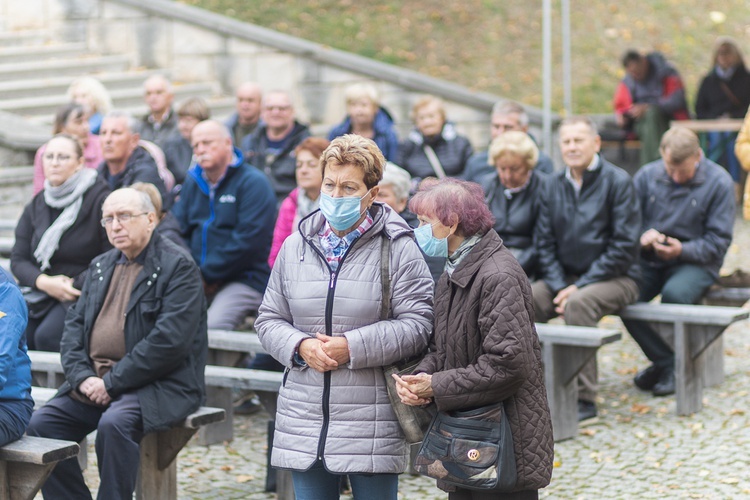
495 46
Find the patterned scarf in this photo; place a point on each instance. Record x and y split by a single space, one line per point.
462 251
334 247
69 197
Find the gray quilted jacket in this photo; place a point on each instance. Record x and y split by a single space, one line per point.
485 349
344 415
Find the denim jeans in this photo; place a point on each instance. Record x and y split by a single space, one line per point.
317 483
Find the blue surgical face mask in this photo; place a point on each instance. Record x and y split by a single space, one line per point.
431 246
341 213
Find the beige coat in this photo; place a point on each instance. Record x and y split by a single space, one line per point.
742 151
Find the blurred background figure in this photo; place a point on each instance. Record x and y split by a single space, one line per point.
304 199
366 117
58 235
245 120
166 223
433 148
178 151
71 119
93 96
724 93
514 195
160 124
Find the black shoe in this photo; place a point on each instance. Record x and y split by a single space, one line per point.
586 410
666 384
646 379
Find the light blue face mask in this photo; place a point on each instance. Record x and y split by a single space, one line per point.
341 213
431 246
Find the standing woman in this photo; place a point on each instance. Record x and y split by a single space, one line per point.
321 319
58 235
484 348
70 119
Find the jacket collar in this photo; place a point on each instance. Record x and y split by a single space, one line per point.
466 270
196 171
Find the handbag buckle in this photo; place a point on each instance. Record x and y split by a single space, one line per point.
473 455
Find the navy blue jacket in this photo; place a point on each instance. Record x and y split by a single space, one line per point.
15 367
385 133
229 227
699 213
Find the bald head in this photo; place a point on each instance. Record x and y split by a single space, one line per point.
249 97
129 218
157 91
212 148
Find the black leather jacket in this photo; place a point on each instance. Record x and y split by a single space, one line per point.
593 236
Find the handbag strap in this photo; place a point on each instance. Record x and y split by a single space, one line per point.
433 159
728 92
385 276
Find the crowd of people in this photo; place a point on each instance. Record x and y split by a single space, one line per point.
144 233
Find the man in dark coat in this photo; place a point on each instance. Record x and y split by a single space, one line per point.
587 230
133 351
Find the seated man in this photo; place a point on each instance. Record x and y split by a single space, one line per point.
133 351
650 95
16 404
227 212
587 232
269 148
246 118
687 205
160 124
125 162
506 116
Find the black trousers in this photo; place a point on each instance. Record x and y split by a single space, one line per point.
462 494
119 432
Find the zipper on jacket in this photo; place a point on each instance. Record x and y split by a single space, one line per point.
329 332
211 217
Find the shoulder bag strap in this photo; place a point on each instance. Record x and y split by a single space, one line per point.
433 159
385 276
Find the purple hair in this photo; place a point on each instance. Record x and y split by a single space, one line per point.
454 201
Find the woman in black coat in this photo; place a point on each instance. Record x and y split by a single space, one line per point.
57 236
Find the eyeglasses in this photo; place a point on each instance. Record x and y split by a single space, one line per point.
278 108
121 218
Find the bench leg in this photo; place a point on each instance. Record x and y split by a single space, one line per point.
714 354
699 361
219 397
561 366
158 472
22 481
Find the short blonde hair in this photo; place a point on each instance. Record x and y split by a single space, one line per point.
359 91
95 89
153 194
681 142
195 107
515 143
351 149
426 101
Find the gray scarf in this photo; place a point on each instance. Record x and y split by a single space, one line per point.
462 251
69 197
305 206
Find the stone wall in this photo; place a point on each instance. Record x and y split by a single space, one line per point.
196 45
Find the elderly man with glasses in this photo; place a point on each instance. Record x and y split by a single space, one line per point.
133 350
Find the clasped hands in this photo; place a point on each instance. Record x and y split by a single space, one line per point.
664 247
414 390
93 388
59 287
323 353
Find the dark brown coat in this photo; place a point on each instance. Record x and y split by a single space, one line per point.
485 349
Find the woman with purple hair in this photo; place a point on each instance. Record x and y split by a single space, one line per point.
484 349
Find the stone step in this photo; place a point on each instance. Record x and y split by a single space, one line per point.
16 89
60 67
25 37
16 190
41 52
47 104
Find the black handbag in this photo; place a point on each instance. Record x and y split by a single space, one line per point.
414 420
37 302
471 449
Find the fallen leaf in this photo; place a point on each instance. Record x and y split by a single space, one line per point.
243 478
227 468
588 432
736 411
729 480
640 408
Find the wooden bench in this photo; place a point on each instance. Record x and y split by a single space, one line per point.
26 463
726 296
695 334
565 351
158 470
6 245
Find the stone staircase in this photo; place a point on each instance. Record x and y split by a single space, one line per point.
37 71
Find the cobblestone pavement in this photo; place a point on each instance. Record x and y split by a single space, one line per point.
637 448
